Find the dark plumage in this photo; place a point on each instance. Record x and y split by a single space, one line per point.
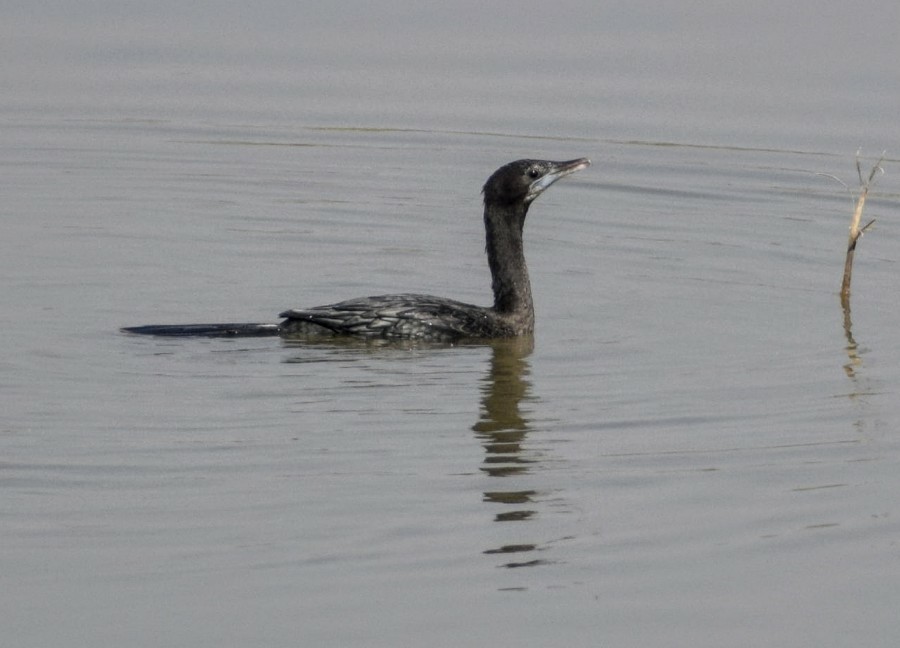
508 194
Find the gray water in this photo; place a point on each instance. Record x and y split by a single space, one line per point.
698 447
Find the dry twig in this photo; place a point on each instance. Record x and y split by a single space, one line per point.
855 230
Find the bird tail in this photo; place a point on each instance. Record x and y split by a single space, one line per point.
246 329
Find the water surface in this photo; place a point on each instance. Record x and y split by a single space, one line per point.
698 446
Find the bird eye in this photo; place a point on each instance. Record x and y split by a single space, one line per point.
533 173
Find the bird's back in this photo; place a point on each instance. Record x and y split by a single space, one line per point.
406 316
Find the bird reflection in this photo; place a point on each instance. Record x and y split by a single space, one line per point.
501 429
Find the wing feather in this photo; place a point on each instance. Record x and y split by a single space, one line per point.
399 316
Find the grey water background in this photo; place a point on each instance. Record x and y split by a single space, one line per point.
698 448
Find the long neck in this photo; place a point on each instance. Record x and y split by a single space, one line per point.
506 258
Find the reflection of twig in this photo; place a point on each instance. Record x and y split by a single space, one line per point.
855 230
851 348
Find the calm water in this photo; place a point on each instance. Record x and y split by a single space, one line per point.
698 447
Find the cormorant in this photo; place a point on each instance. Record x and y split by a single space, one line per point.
508 194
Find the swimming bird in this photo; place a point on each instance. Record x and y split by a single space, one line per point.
508 194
